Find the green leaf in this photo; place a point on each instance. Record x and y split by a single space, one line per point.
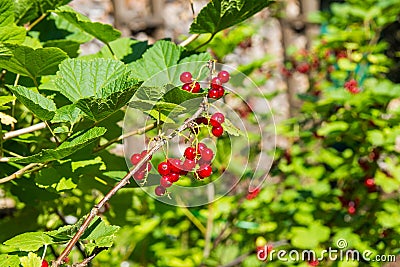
309 238
6 12
28 10
32 260
31 241
103 32
9 260
68 46
101 233
6 99
222 14
78 79
334 126
69 147
44 108
31 62
68 113
162 55
99 108
231 129
178 96
12 34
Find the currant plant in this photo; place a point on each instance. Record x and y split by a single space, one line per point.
61 112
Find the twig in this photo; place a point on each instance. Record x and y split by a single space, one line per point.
4 159
18 173
190 39
86 261
191 217
95 210
206 42
22 131
33 24
121 137
236 261
210 221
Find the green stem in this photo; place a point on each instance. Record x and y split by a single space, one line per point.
14 101
206 42
1 141
33 24
111 51
52 133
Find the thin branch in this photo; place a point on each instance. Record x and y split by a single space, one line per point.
210 221
206 42
191 217
124 181
18 173
190 39
86 261
121 137
22 131
111 51
4 159
33 24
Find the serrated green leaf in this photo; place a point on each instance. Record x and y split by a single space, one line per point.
222 14
32 260
231 129
6 99
28 10
99 108
308 238
29 241
101 233
103 32
41 106
72 145
12 34
31 62
162 55
68 113
68 46
9 260
78 79
178 96
6 12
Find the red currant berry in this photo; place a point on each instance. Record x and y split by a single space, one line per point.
163 168
45 263
217 119
187 87
217 131
160 190
351 210
175 165
136 158
224 76
195 88
221 92
146 167
204 171
139 175
303 67
216 83
144 153
190 153
174 177
165 181
369 182
186 77
201 120
213 93
207 155
188 164
200 147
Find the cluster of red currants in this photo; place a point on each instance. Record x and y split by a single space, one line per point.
144 169
352 86
215 121
216 89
